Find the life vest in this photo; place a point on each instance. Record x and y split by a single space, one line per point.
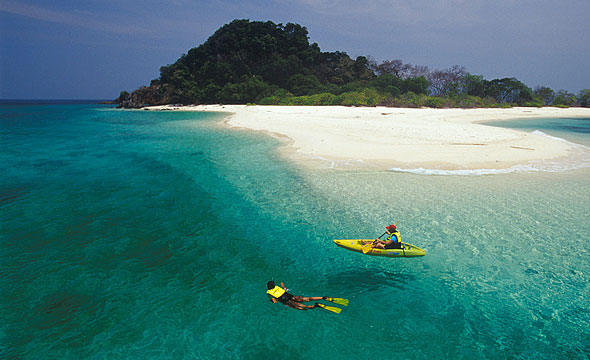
276 292
398 237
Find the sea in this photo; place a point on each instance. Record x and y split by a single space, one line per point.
131 234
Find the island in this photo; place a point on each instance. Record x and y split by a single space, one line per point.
255 62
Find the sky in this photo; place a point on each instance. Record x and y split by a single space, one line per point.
94 49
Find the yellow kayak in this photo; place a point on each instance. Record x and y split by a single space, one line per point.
407 250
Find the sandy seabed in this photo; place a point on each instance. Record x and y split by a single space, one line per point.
401 138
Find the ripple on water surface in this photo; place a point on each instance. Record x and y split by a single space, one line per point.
161 247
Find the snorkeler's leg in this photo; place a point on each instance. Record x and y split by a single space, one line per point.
308 298
299 306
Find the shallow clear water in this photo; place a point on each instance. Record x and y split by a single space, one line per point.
133 234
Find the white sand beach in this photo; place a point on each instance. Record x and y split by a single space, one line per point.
401 138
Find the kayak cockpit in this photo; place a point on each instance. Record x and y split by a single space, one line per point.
404 250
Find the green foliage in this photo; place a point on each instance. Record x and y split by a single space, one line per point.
267 63
544 94
584 98
468 101
533 104
322 99
275 98
124 95
418 85
310 100
249 90
300 84
435 102
564 98
508 90
395 86
414 100
366 97
474 85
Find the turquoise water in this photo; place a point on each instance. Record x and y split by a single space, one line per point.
134 234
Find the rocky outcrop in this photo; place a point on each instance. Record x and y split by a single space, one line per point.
144 96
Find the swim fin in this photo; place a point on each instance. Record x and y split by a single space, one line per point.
330 308
339 301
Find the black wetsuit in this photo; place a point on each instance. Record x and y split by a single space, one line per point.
285 298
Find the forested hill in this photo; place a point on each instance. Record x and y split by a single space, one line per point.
245 61
267 63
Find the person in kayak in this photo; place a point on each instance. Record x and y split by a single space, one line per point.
394 240
281 294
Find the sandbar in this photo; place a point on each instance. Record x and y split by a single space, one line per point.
401 138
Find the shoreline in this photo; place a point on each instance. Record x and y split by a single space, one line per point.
402 139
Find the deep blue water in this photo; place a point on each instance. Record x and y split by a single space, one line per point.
135 234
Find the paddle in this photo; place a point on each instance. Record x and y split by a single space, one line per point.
366 248
397 223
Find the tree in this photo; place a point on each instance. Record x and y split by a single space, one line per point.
280 69
545 94
387 84
300 84
417 85
394 67
362 69
584 98
564 98
124 95
337 68
509 90
473 85
418 70
247 91
446 82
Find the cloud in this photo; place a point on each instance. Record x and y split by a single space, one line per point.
83 19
